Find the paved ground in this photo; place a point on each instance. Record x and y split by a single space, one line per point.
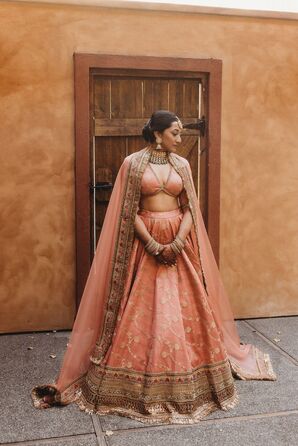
266 415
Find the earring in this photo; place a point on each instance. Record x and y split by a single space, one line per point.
158 142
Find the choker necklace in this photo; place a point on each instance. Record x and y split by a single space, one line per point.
159 157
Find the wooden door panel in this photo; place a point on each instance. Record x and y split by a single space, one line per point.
189 150
126 98
135 98
134 143
108 155
176 96
100 102
184 97
191 98
155 96
110 152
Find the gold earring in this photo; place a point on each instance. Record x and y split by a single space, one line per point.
158 142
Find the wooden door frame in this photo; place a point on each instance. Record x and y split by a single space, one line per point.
83 64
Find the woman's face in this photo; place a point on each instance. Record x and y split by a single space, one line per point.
170 137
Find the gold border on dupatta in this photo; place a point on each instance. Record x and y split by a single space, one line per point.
122 251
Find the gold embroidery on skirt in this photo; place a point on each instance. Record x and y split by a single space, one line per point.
171 397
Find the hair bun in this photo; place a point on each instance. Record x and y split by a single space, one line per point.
147 132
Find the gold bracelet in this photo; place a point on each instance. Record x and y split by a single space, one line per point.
153 247
177 245
175 248
179 241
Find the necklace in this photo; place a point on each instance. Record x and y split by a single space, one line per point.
159 157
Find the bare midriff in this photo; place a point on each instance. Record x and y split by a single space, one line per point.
159 202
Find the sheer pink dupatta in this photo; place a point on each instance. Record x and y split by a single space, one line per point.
90 317
247 362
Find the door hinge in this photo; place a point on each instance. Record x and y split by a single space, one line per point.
102 185
199 125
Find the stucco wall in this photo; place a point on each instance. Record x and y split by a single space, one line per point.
259 237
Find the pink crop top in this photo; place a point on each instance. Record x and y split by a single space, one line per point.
151 184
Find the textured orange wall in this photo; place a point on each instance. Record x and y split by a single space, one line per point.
259 237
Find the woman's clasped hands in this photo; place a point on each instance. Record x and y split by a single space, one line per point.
167 256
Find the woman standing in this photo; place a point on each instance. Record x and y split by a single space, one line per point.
154 338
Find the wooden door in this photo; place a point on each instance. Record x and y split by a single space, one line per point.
114 96
120 105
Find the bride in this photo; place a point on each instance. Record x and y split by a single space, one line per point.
154 338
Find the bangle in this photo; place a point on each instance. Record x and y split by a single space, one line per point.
180 241
175 248
177 245
153 247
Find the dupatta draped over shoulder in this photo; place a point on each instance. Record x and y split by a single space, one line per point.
96 320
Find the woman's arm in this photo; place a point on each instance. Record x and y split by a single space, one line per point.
186 223
141 230
168 255
151 245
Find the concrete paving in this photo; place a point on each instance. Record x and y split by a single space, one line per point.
267 412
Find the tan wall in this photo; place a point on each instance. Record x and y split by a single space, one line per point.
259 237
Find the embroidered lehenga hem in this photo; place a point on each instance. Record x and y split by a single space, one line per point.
158 398
153 413
73 393
161 413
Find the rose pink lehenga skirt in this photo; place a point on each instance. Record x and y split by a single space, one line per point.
167 361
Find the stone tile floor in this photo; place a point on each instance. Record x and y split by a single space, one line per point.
266 415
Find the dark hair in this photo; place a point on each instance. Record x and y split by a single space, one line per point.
159 121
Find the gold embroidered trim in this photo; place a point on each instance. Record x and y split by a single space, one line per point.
69 395
158 396
162 413
39 392
265 373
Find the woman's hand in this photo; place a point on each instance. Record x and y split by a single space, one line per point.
167 256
